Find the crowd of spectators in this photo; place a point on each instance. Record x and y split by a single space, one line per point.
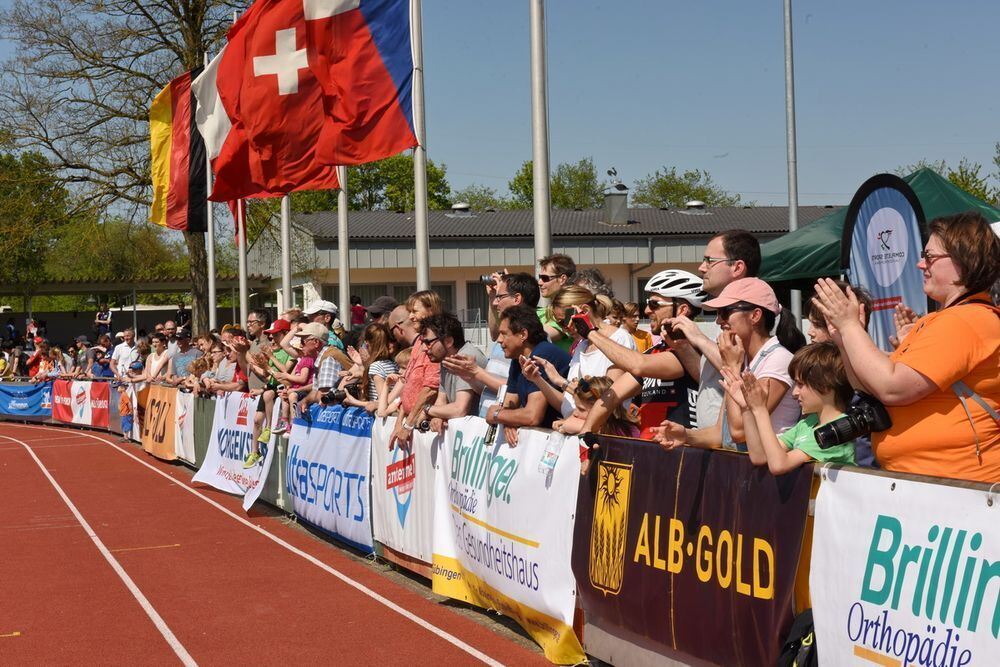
582 362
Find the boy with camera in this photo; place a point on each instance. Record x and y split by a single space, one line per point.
823 391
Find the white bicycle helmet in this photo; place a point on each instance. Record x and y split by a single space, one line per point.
677 284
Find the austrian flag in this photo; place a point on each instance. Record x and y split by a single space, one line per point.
302 86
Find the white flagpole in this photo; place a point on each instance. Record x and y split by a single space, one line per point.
241 247
343 250
210 244
286 252
420 152
793 169
540 131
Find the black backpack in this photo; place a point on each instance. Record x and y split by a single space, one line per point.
799 649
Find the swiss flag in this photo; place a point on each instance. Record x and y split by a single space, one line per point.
261 108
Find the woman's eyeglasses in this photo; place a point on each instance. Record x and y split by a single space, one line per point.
725 312
931 257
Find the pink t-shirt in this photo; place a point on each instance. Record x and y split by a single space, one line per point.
307 363
420 372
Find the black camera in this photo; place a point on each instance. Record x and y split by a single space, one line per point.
424 426
333 397
487 279
864 416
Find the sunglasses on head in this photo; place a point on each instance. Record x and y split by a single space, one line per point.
724 312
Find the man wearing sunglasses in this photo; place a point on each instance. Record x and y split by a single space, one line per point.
443 338
554 273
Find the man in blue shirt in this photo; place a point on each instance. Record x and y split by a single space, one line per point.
522 337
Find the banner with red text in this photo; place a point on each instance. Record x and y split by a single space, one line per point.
81 402
687 553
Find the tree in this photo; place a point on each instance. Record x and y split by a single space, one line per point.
665 188
79 87
571 186
480 198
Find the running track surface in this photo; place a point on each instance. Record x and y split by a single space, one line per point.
216 590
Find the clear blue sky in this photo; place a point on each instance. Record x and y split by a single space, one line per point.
642 84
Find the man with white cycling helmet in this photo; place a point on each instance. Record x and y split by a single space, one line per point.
666 376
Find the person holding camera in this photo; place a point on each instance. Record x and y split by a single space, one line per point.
941 386
823 392
665 377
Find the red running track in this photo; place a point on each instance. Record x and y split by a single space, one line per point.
167 573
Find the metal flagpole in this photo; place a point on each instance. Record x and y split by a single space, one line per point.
210 244
241 246
420 152
286 252
540 131
343 250
793 177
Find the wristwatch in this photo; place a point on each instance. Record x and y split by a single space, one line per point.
407 426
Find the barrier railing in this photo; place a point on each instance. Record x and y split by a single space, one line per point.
687 555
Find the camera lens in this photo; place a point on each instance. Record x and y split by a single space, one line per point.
487 279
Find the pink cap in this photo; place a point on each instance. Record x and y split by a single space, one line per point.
749 290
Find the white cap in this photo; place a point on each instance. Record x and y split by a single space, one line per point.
320 306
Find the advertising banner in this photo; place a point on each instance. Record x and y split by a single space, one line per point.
403 491
905 572
327 472
81 402
158 425
184 426
230 443
26 400
688 553
503 529
881 247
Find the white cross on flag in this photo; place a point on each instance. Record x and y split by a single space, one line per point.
302 86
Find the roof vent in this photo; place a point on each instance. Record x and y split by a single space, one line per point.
696 204
615 208
460 209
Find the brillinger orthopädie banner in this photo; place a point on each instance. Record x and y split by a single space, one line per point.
327 472
503 529
905 572
690 554
403 491
230 444
80 402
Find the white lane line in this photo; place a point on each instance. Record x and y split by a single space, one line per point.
427 625
157 620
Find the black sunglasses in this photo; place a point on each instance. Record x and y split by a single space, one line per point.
546 278
725 312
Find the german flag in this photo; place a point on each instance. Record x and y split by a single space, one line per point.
178 166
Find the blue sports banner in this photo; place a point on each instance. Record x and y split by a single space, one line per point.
883 237
26 400
328 472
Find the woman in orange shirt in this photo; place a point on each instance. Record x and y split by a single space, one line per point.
931 432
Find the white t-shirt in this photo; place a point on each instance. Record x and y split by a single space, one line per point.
588 361
709 402
123 356
771 361
156 364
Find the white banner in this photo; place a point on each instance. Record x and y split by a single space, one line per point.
230 444
403 491
503 529
184 426
328 470
905 573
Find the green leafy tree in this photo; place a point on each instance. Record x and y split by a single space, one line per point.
572 185
480 198
666 188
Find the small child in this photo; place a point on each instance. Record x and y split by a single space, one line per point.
586 393
822 388
388 400
125 411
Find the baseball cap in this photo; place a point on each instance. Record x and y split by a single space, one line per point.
321 306
83 339
120 334
136 366
313 330
278 326
182 333
747 290
381 306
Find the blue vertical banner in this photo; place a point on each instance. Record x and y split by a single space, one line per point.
884 232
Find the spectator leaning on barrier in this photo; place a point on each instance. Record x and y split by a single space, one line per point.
522 337
423 375
823 391
124 354
177 367
747 311
666 376
941 386
157 361
555 272
442 336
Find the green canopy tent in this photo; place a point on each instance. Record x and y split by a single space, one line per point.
798 258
